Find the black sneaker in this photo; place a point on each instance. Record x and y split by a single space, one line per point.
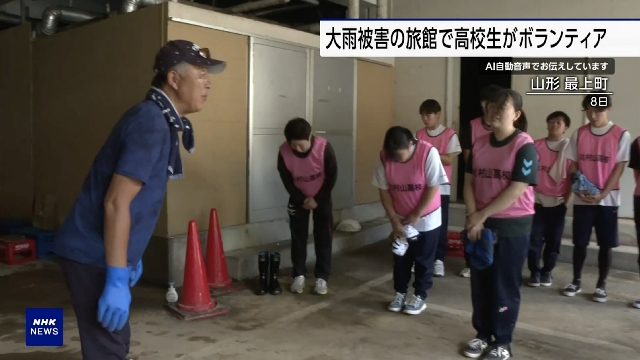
546 279
534 280
475 348
600 295
636 304
499 352
572 290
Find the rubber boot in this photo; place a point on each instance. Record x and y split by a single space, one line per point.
263 267
274 266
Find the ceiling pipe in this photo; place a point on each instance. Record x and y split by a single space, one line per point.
10 18
255 5
353 9
129 6
53 14
312 28
282 9
382 9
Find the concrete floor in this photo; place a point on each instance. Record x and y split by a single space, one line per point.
351 322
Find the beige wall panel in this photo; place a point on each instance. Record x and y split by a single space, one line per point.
84 79
216 174
16 142
375 88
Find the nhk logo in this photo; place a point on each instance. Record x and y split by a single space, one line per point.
44 327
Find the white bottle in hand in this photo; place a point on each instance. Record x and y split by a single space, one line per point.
172 294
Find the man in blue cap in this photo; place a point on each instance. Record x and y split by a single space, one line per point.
102 240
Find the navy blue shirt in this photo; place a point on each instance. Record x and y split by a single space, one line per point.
138 147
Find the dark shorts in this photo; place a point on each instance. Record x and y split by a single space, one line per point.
603 218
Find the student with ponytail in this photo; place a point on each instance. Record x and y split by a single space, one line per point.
498 193
522 124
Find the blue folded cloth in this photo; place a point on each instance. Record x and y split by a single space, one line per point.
582 185
481 251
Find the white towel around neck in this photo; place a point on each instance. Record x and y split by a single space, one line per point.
558 170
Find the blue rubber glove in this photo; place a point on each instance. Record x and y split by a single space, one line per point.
135 274
113 306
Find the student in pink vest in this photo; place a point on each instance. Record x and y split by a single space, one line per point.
552 195
501 173
600 151
309 170
634 163
409 176
468 134
446 141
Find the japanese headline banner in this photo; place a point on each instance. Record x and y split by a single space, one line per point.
524 38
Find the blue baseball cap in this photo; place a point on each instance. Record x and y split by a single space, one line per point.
481 251
175 52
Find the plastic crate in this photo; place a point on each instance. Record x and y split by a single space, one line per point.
17 249
8 225
455 247
43 238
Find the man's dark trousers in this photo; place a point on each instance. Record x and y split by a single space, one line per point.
85 284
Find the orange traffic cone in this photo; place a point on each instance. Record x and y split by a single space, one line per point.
219 281
196 302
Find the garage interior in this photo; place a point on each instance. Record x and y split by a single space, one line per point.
69 69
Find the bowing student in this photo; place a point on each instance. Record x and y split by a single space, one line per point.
409 175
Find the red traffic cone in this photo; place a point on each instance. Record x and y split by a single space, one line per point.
219 281
196 301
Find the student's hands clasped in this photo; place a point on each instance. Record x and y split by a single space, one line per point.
475 224
396 227
310 203
411 219
590 199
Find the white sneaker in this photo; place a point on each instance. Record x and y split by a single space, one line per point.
321 287
465 273
438 268
298 285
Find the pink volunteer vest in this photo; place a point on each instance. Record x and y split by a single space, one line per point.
597 155
478 129
546 159
636 192
441 142
308 173
407 181
492 168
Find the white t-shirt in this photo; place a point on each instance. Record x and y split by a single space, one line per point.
452 148
613 198
435 175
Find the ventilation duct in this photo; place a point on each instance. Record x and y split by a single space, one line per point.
53 14
128 6
10 19
255 5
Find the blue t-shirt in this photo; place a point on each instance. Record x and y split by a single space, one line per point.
138 147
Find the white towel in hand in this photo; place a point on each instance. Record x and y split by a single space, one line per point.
410 232
558 170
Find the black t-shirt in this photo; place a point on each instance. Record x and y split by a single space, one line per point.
525 170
